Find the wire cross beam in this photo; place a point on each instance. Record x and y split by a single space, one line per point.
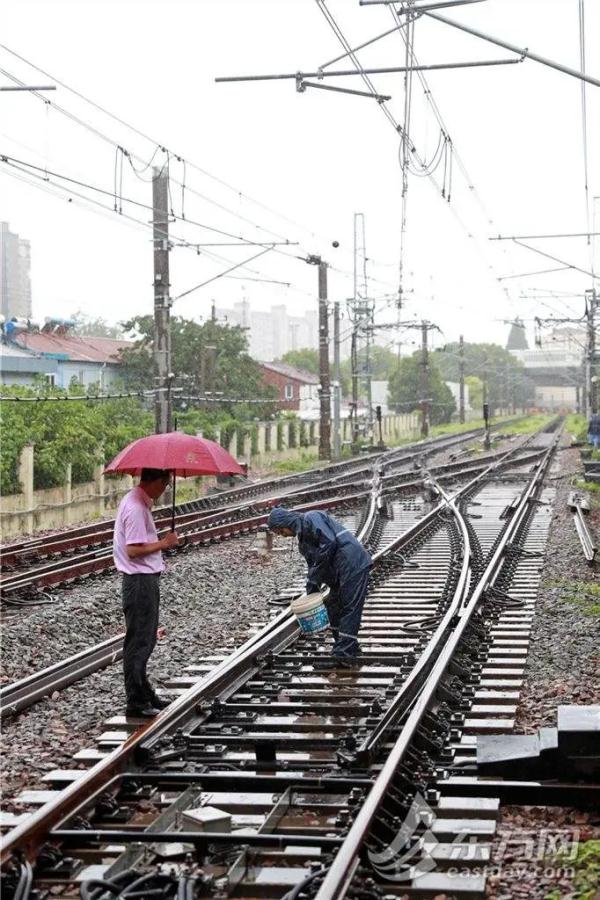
524 51
553 258
302 85
403 9
384 70
531 237
26 87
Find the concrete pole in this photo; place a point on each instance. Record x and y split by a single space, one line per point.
337 387
461 380
424 380
162 304
325 395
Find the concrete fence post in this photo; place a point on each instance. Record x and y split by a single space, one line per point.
68 494
25 476
99 488
233 444
247 451
261 439
285 436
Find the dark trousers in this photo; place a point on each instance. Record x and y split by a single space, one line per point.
344 607
141 597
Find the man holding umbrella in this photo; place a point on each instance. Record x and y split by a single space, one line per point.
137 550
137 553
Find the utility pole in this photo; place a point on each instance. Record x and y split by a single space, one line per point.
424 386
461 380
162 303
325 386
337 388
487 444
354 368
591 385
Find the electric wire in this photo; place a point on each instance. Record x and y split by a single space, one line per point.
584 130
158 147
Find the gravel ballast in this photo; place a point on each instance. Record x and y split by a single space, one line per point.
563 667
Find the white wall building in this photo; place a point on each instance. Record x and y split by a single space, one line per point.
15 282
272 333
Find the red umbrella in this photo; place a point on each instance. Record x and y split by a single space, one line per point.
182 454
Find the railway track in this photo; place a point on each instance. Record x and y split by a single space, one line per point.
270 776
31 567
21 694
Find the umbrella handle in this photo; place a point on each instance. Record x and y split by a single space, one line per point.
173 505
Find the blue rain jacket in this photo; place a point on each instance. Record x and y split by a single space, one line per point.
333 554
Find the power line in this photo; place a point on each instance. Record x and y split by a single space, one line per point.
95 398
12 161
160 147
584 129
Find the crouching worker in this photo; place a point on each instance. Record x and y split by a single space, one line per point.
334 558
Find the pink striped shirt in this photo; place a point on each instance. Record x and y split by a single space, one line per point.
134 525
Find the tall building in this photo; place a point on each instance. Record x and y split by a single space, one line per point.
15 283
517 338
273 333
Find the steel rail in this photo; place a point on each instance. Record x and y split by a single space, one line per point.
345 863
585 536
421 669
26 691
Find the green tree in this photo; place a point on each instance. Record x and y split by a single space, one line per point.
305 358
382 364
79 432
475 386
405 390
94 326
505 377
207 357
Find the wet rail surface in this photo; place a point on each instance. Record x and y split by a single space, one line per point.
300 777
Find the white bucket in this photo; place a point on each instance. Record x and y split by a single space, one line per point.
311 613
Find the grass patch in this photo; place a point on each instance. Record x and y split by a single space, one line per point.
586 866
524 425
583 594
577 425
289 466
528 425
590 486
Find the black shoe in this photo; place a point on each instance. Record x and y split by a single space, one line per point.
347 662
146 711
336 662
160 702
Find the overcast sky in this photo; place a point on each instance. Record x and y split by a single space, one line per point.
263 159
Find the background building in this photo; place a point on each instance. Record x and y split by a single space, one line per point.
61 359
556 367
15 282
272 333
297 390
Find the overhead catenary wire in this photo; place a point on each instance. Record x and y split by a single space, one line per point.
97 398
581 12
161 148
117 196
